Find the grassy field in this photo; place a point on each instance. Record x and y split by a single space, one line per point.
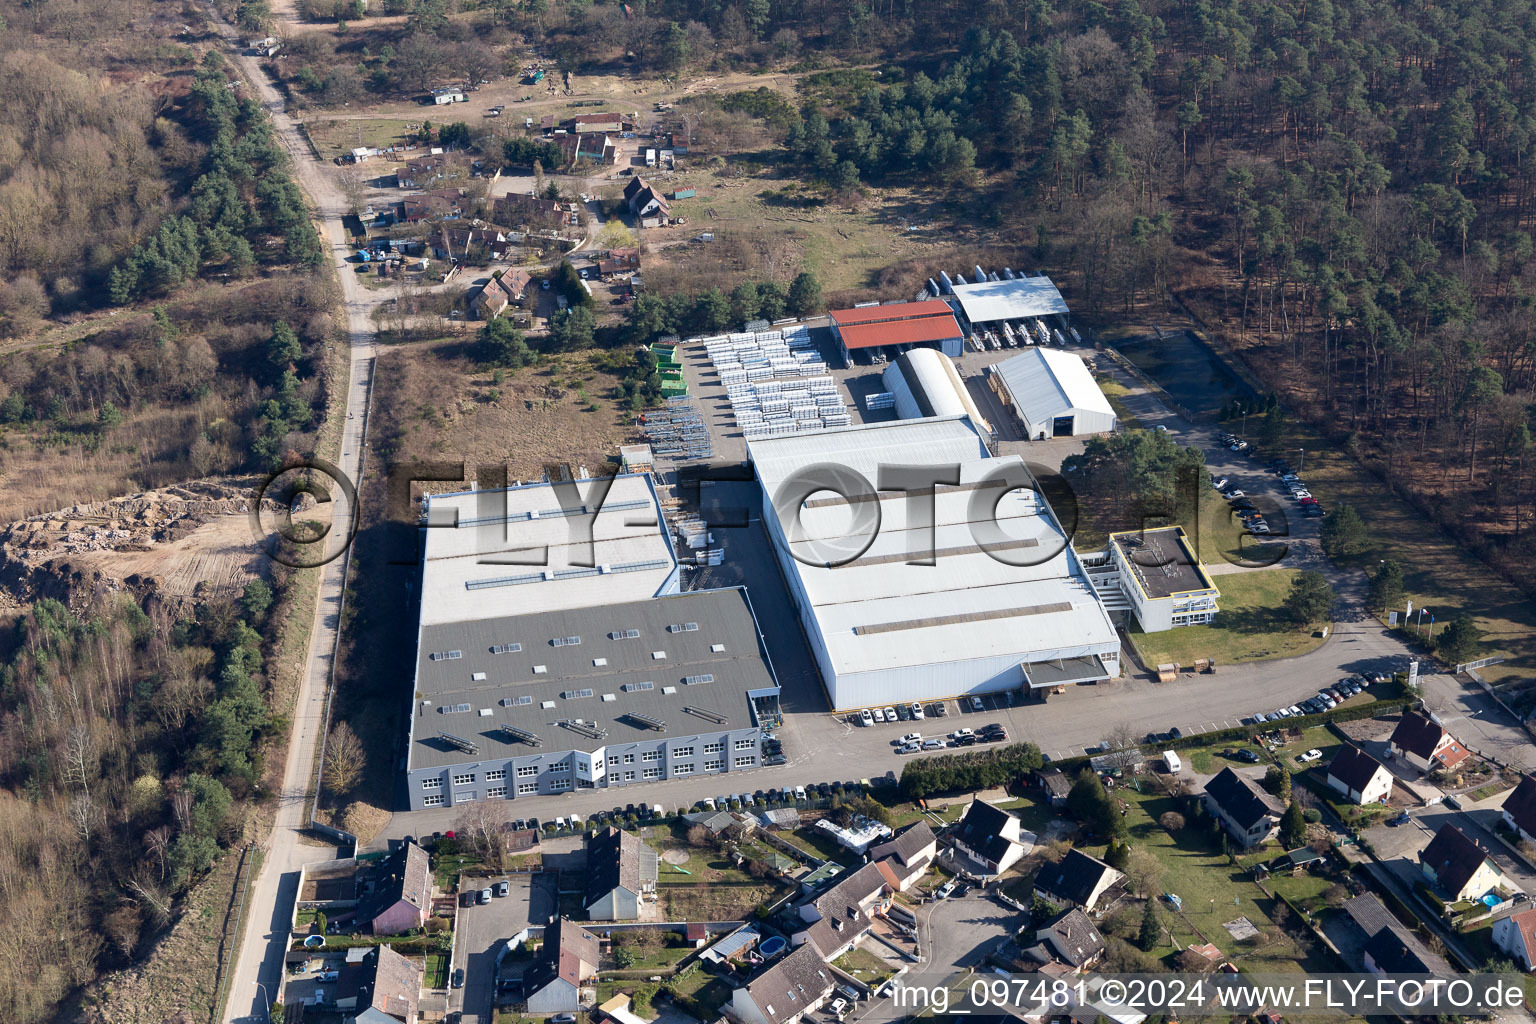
335 137
704 865
1250 626
847 244
704 902
1213 891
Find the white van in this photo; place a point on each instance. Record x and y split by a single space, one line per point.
1172 761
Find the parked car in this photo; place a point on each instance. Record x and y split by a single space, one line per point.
503 889
912 737
1219 484
1401 819
879 714
939 709
903 712
965 741
908 748
890 714
458 977
1312 755
917 712
563 1018
1251 756
946 889
865 718
1233 494
962 732
1301 494
1176 733
934 744
977 705
838 1008
466 899
485 895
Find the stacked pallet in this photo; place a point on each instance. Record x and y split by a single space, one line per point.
775 381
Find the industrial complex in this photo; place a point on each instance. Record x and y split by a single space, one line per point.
1002 602
559 649
614 679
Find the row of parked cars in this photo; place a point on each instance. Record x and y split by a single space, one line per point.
913 712
1310 506
913 742
1326 699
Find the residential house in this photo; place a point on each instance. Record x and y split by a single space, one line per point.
591 147
1458 866
1056 785
1073 939
567 961
1385 945
527 210
908 854
842 915
1359 776
647 204
1396 950
1078 880
439 203
1423 742
619 261
621 871
396 892
790 989
1516 935
991 837
507 289
456 242
379 987
1520 809
606 121
1248 812
421 172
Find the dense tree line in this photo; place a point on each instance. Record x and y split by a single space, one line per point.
652 316
242 197
129 745
969 771
1133 478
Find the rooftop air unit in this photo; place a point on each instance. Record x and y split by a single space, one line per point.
707 715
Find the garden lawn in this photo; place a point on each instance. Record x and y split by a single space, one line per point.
437 971
1195 869
865 966
1251 626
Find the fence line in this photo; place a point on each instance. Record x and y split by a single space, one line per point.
226 945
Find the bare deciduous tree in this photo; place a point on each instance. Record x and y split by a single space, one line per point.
345 760
479 827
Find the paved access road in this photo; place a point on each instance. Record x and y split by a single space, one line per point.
257 972
480 933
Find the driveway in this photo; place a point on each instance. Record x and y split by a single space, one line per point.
484 930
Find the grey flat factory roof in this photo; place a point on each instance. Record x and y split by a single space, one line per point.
1164 561
482 669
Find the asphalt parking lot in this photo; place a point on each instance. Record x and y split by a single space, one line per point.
483 930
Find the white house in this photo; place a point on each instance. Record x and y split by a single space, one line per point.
1422 742
793 988
1360 777
991 837
1248 813
1458 866
1516 935
1520 809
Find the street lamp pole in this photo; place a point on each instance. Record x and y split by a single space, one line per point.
265 998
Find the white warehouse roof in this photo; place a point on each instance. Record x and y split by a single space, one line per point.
1046 383
1018 299
925 383
878 612
628 546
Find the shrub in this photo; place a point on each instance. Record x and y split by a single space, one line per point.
1173 821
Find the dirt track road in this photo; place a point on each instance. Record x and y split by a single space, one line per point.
256 975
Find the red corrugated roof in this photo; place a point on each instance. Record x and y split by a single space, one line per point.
901 332
895 311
